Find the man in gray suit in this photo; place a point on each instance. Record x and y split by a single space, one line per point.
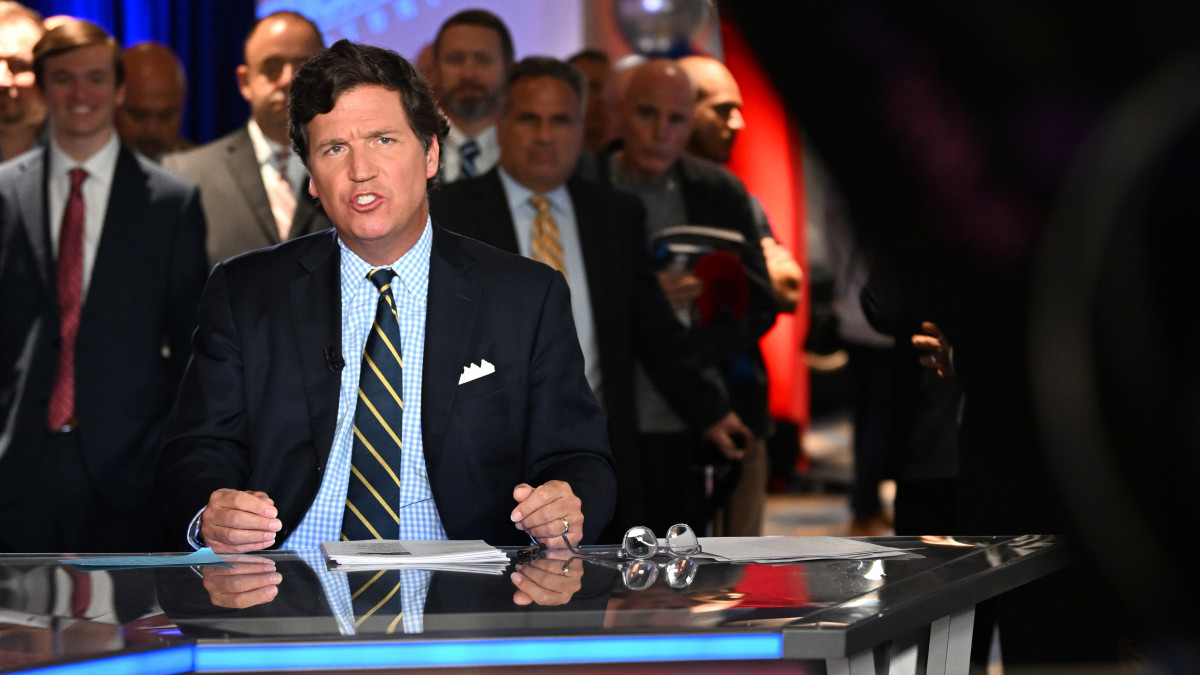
252 186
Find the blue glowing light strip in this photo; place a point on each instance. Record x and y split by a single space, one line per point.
210 658
167 661
350 655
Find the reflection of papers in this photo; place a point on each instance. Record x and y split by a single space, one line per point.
473 555
204 556
791 549
11 617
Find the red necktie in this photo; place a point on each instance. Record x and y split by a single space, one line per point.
70 301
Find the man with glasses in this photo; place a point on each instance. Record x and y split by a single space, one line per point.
251 183
22 111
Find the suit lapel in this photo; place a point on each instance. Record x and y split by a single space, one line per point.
35 216
315 296
493 213
449 320
590 217
119 239
243 166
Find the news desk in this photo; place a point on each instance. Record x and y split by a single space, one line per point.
901 615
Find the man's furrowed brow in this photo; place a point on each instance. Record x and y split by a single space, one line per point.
384 131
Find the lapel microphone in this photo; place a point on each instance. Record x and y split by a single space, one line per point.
333 359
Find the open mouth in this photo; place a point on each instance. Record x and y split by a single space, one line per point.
365 201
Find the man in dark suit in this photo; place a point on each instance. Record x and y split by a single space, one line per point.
495 434
251 183
655 123
101 268
620 312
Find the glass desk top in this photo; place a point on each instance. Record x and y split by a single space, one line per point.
54 612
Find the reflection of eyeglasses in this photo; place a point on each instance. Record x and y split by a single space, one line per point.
638 575
638 571
640 542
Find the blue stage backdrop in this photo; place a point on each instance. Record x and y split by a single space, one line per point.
208 35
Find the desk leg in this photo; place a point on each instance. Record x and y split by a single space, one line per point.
904 657
862 663
950 643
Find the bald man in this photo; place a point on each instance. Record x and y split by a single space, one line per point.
253 186
716 121
654 122
718 110
155 88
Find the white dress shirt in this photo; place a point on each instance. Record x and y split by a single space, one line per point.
100 168
489 153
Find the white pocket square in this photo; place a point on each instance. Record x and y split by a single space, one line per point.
474 372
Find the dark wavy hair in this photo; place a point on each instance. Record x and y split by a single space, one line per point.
348 65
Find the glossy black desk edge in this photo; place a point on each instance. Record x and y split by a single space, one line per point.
831 632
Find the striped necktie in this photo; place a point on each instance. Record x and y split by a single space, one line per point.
545 243
377 598
469 151
373 493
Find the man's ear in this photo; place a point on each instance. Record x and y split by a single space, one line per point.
312 188
431 158
243 79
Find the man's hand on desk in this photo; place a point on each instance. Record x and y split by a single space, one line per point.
731 436
246 582
235 521
550 580
541 512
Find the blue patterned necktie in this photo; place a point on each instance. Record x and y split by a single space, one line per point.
373 494
469 151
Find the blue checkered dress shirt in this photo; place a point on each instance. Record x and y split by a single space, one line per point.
419 517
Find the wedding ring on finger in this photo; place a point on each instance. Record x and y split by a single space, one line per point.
566 526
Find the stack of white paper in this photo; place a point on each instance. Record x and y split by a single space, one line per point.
790 549
454 556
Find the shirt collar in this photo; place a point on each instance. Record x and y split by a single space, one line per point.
519 194
412 268
99 166
265 149
486 138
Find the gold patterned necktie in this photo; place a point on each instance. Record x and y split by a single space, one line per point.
546 245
